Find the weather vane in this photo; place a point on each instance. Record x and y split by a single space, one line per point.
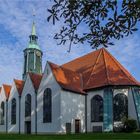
34 14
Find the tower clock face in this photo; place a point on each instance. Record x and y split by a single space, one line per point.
38 53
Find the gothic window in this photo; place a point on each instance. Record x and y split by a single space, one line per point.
2 113
28 105
97 109
47 106
13 111
120 107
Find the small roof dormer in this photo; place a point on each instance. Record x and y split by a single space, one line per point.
19 85
7 89
36 80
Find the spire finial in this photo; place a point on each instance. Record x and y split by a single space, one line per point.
34 14
33 26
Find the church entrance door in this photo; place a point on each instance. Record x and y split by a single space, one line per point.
28 127
77 126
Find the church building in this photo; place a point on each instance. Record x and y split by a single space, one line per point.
89 94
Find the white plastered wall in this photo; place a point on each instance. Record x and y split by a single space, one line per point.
3 98
90 95
48 81
28 89
72 108
13 94
131 106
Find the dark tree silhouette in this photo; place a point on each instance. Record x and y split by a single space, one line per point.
104 20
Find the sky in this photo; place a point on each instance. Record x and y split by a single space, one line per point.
15 27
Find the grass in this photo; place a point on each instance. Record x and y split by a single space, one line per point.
90 136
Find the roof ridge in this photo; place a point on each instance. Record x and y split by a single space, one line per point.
123 70
78 58
93 67
106 67
49 62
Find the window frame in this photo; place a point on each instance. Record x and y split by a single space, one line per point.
125 111
28 105
13 111
47 105
96 110
2 113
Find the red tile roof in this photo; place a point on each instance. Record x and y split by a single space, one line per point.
94 70
19 85
67 79
7 89
36 79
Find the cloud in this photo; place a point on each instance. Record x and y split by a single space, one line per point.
16 21
10 63
127 51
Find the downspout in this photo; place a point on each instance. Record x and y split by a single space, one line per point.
19 111
35 112
6 115
86 113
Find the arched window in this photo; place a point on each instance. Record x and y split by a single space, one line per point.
120 107
28 105
97 109
47 106
13 111
2 113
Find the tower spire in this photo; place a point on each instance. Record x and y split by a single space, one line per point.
33 29
32 54
33 37
33 25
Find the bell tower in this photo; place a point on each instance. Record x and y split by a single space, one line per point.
32 55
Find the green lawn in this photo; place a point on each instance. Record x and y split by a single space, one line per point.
93 136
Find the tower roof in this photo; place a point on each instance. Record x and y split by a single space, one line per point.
33 39
94 70
34 46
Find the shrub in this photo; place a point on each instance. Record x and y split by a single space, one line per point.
138 130
118 127
126 125
129 125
